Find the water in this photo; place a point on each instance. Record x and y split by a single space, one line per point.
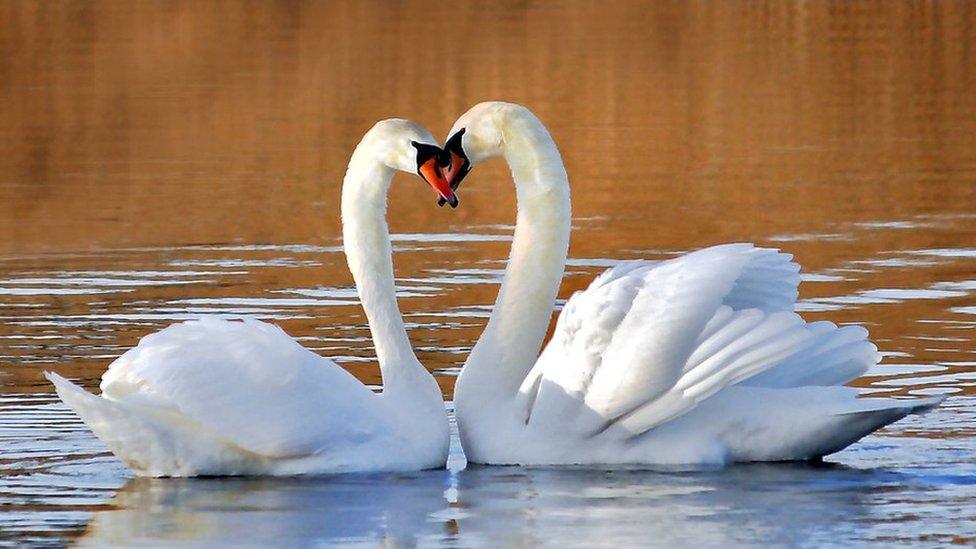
166 162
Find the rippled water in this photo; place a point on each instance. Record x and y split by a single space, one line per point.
166 162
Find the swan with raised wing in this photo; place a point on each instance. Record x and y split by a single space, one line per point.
222 397
699 359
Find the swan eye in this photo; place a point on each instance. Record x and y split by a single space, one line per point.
425 152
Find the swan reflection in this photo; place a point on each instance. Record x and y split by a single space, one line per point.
501 506
274 511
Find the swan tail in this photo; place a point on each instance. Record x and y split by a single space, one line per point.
95 411
801 423
845 428
128 436
149 446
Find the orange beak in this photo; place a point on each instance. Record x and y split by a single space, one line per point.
455 172
434 176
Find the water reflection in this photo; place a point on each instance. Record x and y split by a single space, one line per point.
671 508
780 504
397 509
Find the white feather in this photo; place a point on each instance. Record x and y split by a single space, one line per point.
224 397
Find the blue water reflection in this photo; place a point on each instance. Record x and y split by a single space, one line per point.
777 504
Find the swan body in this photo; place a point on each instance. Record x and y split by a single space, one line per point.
223 397
220 397
694 360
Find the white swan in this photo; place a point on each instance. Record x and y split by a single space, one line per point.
220 397
698 359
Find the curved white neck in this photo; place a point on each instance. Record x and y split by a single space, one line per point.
517 327
366 241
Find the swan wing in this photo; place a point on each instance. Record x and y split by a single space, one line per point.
246 383
647 342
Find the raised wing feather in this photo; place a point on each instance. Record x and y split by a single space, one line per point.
647 342
246 382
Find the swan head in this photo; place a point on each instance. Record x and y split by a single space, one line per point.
408 147
478 135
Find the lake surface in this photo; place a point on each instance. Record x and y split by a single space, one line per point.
167 161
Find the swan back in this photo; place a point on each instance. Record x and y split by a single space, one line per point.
247 382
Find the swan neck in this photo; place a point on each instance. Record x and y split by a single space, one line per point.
366 241
523 309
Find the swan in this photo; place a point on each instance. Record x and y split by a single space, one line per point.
222 397
699 359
